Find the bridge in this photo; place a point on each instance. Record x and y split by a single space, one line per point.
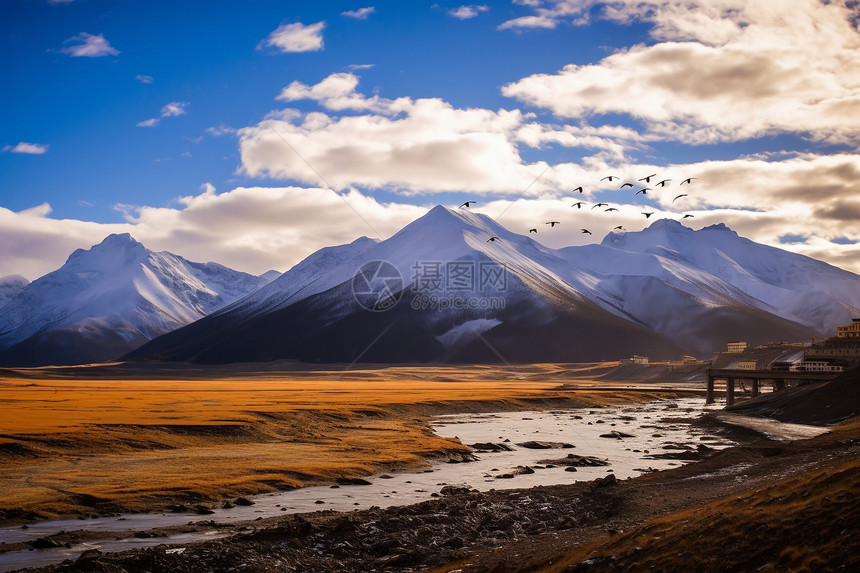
777 377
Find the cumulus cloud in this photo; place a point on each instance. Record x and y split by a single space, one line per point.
255 229
360 14
250 229
469 11
725 71
144 78
412 146
28 148
88 46
295 37
151 122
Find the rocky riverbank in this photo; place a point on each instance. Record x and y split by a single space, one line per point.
504 530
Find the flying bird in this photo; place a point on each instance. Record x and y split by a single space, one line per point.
610 177
647 215
623 185
577 189
586 231
686 216
611 209
532 230
619 227
600 205
663 182
688 180
552 223
491 239
466 204
644 191
648 179
578 204
679 196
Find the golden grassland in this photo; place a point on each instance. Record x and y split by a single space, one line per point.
79 441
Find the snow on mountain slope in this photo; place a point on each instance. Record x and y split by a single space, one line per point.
655 292
793 286
310 276
442 235
10 286
119 288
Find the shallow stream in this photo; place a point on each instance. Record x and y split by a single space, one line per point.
652 428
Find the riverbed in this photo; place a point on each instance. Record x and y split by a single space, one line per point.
534 448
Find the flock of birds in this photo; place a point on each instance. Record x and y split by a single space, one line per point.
609 209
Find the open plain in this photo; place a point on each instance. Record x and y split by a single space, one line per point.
107 439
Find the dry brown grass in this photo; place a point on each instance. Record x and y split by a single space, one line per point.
83 445
809 522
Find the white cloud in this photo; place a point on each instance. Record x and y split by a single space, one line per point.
89 46
28 148
250 229
173 109
412 146
469 11
725 71
255 229
529 22
144 78
360 14
220 130
295 37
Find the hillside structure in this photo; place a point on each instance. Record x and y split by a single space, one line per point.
785 364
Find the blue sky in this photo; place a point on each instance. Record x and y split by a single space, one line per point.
253 133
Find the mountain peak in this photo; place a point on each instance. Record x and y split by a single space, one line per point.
120 239
115 251
668 224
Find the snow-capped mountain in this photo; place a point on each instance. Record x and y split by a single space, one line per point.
11 285
661 292
109 299
793 286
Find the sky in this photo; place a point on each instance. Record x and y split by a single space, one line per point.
254 133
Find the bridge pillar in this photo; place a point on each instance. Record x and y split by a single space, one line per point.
778 384
754 387
709 397
730 391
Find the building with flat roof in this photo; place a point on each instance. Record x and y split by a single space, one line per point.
843 349
736 347
850 331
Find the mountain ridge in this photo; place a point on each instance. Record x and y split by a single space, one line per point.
643 292
106 300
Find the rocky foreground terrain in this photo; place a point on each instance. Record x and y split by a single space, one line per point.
765 505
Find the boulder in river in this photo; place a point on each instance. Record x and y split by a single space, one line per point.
542 445
572 460
490 447
352 481
616 435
